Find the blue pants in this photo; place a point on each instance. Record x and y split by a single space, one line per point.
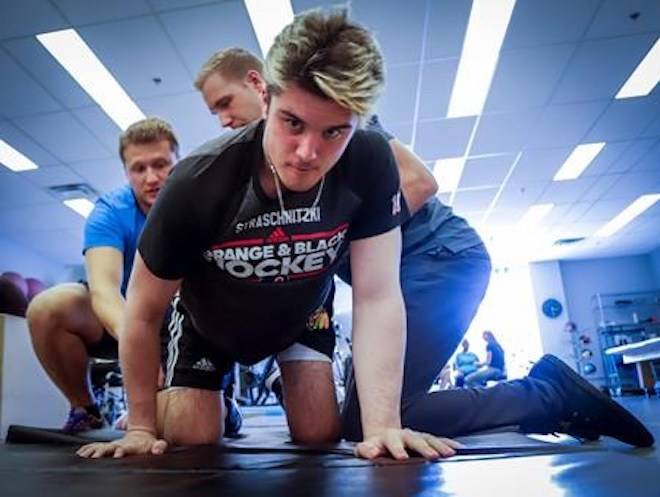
442 291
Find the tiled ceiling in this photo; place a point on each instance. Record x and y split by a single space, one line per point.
561 64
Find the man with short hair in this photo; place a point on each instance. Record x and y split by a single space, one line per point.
251 227
445 267
73 322
444 273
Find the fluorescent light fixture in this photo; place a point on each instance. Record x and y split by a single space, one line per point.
447 173
13 159
489 20
82 206
77 58
578 161
628 214
535 214
643 79
268 17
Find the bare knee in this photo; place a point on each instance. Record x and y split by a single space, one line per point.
189 416
311 434
64 307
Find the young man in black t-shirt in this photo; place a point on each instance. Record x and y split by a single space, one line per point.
251 227
444 273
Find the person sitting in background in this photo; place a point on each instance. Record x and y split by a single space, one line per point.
466 363
493 368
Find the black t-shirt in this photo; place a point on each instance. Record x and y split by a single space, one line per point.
496 355
252 274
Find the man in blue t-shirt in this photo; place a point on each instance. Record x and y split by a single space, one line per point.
72 322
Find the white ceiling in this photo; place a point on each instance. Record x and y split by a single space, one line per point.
561 64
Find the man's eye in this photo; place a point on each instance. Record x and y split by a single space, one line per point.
293 124
334 133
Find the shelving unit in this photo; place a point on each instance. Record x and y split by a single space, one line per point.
620 319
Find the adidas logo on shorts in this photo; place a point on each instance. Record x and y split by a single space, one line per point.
204 365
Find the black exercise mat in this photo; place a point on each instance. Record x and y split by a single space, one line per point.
276 442
33 470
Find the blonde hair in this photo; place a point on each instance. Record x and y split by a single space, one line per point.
231 63
330 56
148 130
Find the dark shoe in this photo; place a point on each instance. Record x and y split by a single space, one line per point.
588 413
234 419
81 420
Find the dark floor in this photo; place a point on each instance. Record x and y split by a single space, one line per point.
264 464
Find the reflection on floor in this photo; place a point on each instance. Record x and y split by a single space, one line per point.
263 463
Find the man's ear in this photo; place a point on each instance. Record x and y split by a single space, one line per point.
265 102
255 80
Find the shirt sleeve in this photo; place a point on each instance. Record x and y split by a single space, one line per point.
103 228
377 183
170 239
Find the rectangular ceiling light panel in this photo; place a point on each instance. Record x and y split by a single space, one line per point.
71 51
13 159
488 24
268 17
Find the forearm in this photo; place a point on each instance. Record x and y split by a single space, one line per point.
140 357
109 308
378 350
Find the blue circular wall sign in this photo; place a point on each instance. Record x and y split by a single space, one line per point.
552 308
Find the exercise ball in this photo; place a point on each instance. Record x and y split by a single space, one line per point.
17 280
35 286
12 299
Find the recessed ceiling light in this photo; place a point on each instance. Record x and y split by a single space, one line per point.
535 214
578 161
628 214
268 18
644 78
488 24
82 206
447 173
71 51
13 159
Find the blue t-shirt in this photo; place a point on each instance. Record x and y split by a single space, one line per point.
116 221
466 362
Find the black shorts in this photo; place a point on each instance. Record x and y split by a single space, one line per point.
190 360
107 347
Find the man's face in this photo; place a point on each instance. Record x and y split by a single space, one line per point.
305 135
236 102
147 167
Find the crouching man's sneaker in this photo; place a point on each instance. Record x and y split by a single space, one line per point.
83 419
234 419
587 412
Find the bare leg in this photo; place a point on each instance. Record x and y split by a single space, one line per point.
62 323
190 416
311 404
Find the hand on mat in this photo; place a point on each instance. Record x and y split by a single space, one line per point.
394 442
133 443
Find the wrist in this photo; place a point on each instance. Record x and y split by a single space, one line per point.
141 428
